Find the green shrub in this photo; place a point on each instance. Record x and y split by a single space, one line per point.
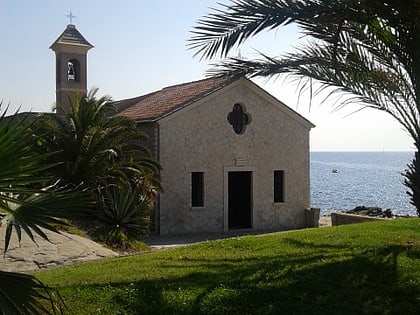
122 215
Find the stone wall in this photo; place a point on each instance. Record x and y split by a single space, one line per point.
199 138
346 218
152 132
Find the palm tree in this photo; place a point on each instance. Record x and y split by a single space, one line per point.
24 206
95 147
366 50
98 149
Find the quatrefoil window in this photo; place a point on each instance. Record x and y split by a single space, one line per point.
238 119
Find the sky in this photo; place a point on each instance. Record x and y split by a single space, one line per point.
141 46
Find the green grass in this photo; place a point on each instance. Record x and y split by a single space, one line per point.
370 268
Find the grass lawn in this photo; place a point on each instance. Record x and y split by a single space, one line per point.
369 268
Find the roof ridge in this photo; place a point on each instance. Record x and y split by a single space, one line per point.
197 81
168 87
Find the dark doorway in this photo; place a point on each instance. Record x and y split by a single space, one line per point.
239 200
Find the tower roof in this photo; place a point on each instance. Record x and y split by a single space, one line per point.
71 36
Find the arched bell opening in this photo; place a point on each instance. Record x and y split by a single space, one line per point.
73 70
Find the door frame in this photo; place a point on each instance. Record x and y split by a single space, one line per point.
226 171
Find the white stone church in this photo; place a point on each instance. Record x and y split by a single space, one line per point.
232 155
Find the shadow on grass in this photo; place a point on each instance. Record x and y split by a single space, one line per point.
369 282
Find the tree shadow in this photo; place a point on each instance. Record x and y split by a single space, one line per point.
368 282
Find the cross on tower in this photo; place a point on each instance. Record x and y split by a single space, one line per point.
71 17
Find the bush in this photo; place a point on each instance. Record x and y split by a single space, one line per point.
123 216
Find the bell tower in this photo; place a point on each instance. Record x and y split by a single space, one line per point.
71 65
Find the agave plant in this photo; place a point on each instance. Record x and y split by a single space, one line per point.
124 215
27 206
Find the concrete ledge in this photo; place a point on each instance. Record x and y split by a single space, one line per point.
346 218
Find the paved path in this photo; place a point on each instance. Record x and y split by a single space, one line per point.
160 242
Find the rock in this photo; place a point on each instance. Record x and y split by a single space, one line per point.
62 250
371 211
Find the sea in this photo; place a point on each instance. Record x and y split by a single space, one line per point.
345 180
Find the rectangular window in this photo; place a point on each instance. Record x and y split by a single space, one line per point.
197 189
278 186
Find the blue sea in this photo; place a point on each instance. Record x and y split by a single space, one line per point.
361 179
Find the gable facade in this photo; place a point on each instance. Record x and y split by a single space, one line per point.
232 157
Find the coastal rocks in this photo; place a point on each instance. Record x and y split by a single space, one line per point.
371 212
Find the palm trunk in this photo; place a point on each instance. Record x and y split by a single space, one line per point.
412 178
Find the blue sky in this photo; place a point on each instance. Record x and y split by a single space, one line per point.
140 47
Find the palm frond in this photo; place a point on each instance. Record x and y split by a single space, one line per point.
26 206
94 145
222 29
357 53
16 156
24 294
219 31
366 50
25 203
42 211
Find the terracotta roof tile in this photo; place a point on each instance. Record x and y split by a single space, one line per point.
170 99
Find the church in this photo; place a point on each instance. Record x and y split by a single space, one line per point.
233 156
